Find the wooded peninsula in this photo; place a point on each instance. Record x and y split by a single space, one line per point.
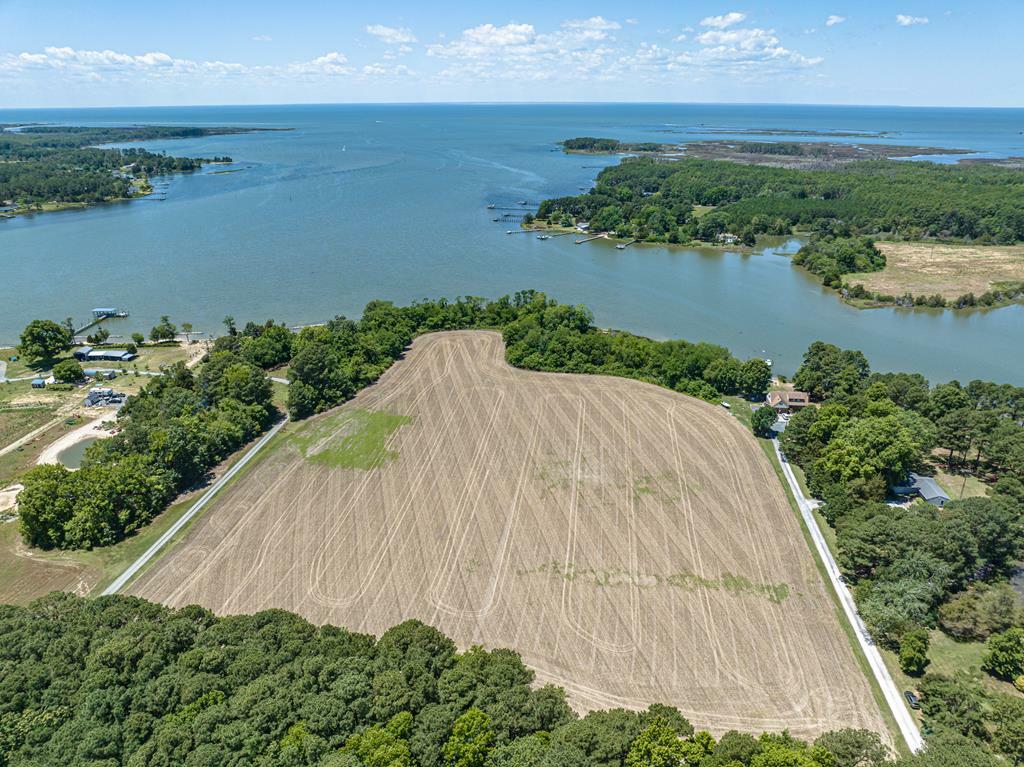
51 167
843 207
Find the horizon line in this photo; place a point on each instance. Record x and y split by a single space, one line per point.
515 103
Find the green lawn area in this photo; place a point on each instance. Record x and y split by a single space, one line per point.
740 408
350 439
280 398
155 357
19 368
150 358
961 486
949 657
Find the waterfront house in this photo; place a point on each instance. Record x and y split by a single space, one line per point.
787 401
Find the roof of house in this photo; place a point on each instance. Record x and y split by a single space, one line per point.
788 398
926 487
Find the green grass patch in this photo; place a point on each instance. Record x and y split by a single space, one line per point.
737 585
961 486
351 439
949 657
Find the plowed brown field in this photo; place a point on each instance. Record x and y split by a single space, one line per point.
634 545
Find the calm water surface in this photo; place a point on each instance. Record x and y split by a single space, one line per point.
72 456
362 202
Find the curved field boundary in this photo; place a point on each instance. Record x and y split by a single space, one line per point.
633 544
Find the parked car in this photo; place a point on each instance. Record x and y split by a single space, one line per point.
912 700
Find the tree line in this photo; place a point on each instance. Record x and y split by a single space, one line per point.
330 363
915 567
122 681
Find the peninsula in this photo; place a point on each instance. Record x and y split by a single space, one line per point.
50 167
841 197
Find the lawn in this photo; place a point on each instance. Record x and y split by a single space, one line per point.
961 486
948 657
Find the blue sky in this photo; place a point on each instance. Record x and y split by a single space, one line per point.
103 53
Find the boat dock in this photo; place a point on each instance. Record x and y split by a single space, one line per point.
624 245
99 315
588 239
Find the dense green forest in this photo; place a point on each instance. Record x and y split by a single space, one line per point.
120 681
333 361
44 164
653 199
916 567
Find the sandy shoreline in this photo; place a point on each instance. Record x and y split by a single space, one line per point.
91 430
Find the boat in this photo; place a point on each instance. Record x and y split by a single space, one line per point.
498 218
509 232
520 202
620 247
490 206
543 236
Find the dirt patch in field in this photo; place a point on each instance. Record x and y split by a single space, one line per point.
633 544
925 269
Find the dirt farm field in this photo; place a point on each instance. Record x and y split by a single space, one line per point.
634 545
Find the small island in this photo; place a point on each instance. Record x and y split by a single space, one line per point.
935 235
49 167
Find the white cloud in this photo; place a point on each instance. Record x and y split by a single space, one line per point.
596 23
909 21
332 63
679 38
832 20
632 21
382 70
723 21
391 35
519 50
115 66
262 38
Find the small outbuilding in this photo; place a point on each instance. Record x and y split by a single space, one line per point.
38 383
925 488
82 353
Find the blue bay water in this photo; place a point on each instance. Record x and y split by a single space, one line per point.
363 202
